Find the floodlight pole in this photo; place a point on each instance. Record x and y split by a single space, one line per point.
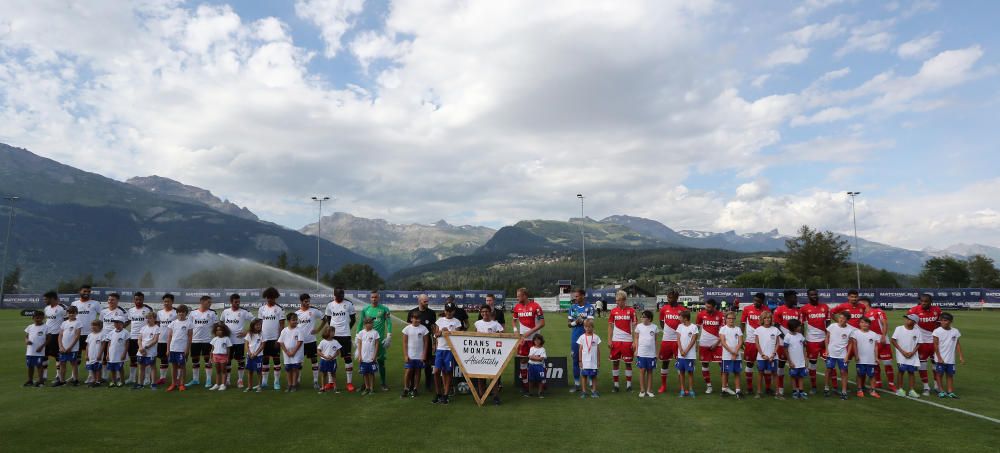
857 249
319 229
583 241
6 247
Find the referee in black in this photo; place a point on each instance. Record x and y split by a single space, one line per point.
497 311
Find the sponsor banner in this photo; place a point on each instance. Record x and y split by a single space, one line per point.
481 355
991 296
556 372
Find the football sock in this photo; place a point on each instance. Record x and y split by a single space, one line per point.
705 373
381 371
349 371
812 373
664 369
890 374
524 375
628 374
131 373
263 375
615 372
315 373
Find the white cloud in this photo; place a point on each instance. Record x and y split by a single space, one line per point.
832 149
785 55
753 190
872 36
808 7
919 47
818 31
333 17
760 80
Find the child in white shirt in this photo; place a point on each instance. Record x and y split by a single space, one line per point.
687 338
416 344
864 343
536 365
838 341
768 337
795 350
644 348
732 340
149 337
590 359
904 342
220 344
290 341
368 343
328 351
95 353
34 355
946 346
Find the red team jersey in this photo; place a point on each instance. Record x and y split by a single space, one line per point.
710 323
527 315
671 318
622 320
784 314
856 313
751 317
929 320
816 317
878 318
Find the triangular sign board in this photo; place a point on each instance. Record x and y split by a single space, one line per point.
482 356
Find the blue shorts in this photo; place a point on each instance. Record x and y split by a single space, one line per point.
327 366
368 368
443 361
832 364
903 368
69 356
414 364
293 366
767 365
254 364
536 372
685 365
798 372
865 370
93 366
646 363
34 361
177 358
146 360
115 366
732 366
945 368
589 372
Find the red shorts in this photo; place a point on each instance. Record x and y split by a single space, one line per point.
884 351
525 347
220 358
668 350
814 349
925 351
708 354
750 352
782 354
621 350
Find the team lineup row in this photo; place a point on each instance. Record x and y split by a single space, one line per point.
765 341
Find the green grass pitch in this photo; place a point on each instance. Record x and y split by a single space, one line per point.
68 419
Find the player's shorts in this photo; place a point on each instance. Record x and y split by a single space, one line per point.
621 350
413 364
83 342
201 350
271 349
834 363
685 365
93 366
310 350
132 347
749 351
884 351
945 368
925 351
646 363
293 366
732 366
143 360
814 349
536 372
254 364
52 346
443 361
368 368
798 372
904 368
115 366
71 357
782 353
707 354
345 348
767 365
34 361
221 359
524 348
589 372
330 366
177 358
161 352
237 352
668 350
865 370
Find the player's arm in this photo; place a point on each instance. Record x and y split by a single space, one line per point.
406 347
124 353
851 346
60 342
826 344
298 345
538 325
937 351
388 328
281 322
722 340
427 347
377 346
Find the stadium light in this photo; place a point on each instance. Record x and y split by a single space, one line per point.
319 228
857 250
583 241
6 246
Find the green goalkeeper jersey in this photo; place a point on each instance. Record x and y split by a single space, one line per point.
382 317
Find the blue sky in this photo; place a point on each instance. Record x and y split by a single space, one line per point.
703 115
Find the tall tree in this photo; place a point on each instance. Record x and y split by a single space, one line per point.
945 272
814 256
12 284
357 276
983 272
147 280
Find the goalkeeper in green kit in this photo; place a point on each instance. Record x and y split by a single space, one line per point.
383 325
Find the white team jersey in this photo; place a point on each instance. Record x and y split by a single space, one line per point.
647 340
147 339
290 337
220 345
732 337
309 320
237 322
87 312
254 342
795 348
36 335
203 322
415 341
589 347
445 324
117 345
95 348
767 341
340 317
488 326
907 340
272 316
686 336
164 318
866 342
137 320
180 331
54 316
840 337
535 350
947 341
69 330
109 316
329 348
367 339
